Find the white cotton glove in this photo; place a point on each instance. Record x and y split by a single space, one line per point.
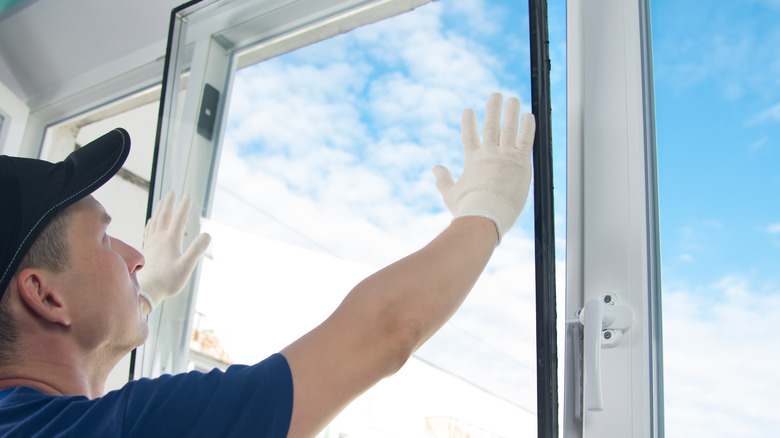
497 174
167 270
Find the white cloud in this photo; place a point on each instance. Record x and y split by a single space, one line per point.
758 144
293 109
769 115
478 15
713 224
301 125
731 51
769 3
773 228
720 360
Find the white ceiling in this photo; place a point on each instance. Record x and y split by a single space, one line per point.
53 49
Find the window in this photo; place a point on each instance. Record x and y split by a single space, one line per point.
313 170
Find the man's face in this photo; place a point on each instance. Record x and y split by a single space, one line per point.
100 284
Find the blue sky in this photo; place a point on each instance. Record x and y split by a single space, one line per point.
330 147
717 65
718 115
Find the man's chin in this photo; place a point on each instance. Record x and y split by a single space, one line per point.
143 335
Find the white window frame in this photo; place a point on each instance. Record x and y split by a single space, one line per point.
612 223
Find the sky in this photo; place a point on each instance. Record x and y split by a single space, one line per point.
329 149
718 134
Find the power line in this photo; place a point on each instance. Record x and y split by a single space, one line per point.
284 224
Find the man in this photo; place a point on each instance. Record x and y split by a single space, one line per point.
65 322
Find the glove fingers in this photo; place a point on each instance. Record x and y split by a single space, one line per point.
444 180
468 129
180 217
525 141
166 211
148 229
196 249
151 225
491 130
511 121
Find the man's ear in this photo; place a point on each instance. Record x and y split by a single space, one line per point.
37 291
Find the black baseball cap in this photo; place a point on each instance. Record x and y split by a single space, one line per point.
32 192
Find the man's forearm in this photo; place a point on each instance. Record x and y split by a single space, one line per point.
423 290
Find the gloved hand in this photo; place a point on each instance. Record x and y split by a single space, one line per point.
496 174
166 270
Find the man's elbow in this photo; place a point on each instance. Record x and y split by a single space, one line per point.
389 330
405 334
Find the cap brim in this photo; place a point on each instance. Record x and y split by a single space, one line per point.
97 162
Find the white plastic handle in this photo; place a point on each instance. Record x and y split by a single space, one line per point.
592 322
595 317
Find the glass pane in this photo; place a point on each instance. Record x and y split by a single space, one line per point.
717 94
325 178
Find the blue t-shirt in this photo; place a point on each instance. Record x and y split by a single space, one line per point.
243 401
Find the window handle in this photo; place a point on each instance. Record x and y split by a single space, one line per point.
604 322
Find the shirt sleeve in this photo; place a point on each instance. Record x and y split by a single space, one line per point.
242 401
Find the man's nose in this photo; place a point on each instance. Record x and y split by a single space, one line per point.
133 258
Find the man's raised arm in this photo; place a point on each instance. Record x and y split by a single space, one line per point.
390 314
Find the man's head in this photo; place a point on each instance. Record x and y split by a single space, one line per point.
33 192
38 204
